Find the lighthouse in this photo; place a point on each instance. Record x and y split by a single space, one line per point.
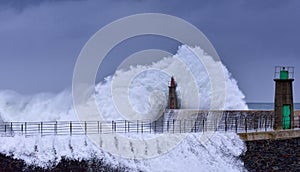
284 105
172 95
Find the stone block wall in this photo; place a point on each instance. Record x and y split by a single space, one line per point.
272 155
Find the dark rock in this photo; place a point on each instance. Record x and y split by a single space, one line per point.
9 164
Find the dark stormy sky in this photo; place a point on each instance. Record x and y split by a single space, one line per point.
40 40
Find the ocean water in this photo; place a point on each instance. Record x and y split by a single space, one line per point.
147 94
267 106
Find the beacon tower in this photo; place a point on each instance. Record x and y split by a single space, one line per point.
172 95
284 105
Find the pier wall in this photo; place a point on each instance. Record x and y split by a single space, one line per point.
272 155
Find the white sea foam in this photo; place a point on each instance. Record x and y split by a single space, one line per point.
147 95
220 152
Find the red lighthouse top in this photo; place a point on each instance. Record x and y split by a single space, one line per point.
172 95
172 82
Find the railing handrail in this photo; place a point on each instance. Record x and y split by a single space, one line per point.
228 122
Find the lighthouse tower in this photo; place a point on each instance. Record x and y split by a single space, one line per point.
172 95
284 105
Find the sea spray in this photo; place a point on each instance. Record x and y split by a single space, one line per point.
220 151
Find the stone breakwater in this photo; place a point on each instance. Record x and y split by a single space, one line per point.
272 155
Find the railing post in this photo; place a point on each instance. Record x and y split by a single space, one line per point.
101 127
70 128
115 126
246 124
193 127
25 129
272 121
236 124
98 125
203 124
137 126
168 125
55 128
22 128
11 128
173 125
142 126
85 128
259 123
215 125
162 125
128 126
125 126
184 125
150 123
41 129
180 126
225 121
265 123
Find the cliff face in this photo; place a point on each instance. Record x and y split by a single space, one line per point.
272 155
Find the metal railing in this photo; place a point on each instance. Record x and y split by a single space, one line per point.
289 69
234 121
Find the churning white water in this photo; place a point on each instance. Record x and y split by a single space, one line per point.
147 94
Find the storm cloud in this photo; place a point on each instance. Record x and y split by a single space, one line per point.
40 40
